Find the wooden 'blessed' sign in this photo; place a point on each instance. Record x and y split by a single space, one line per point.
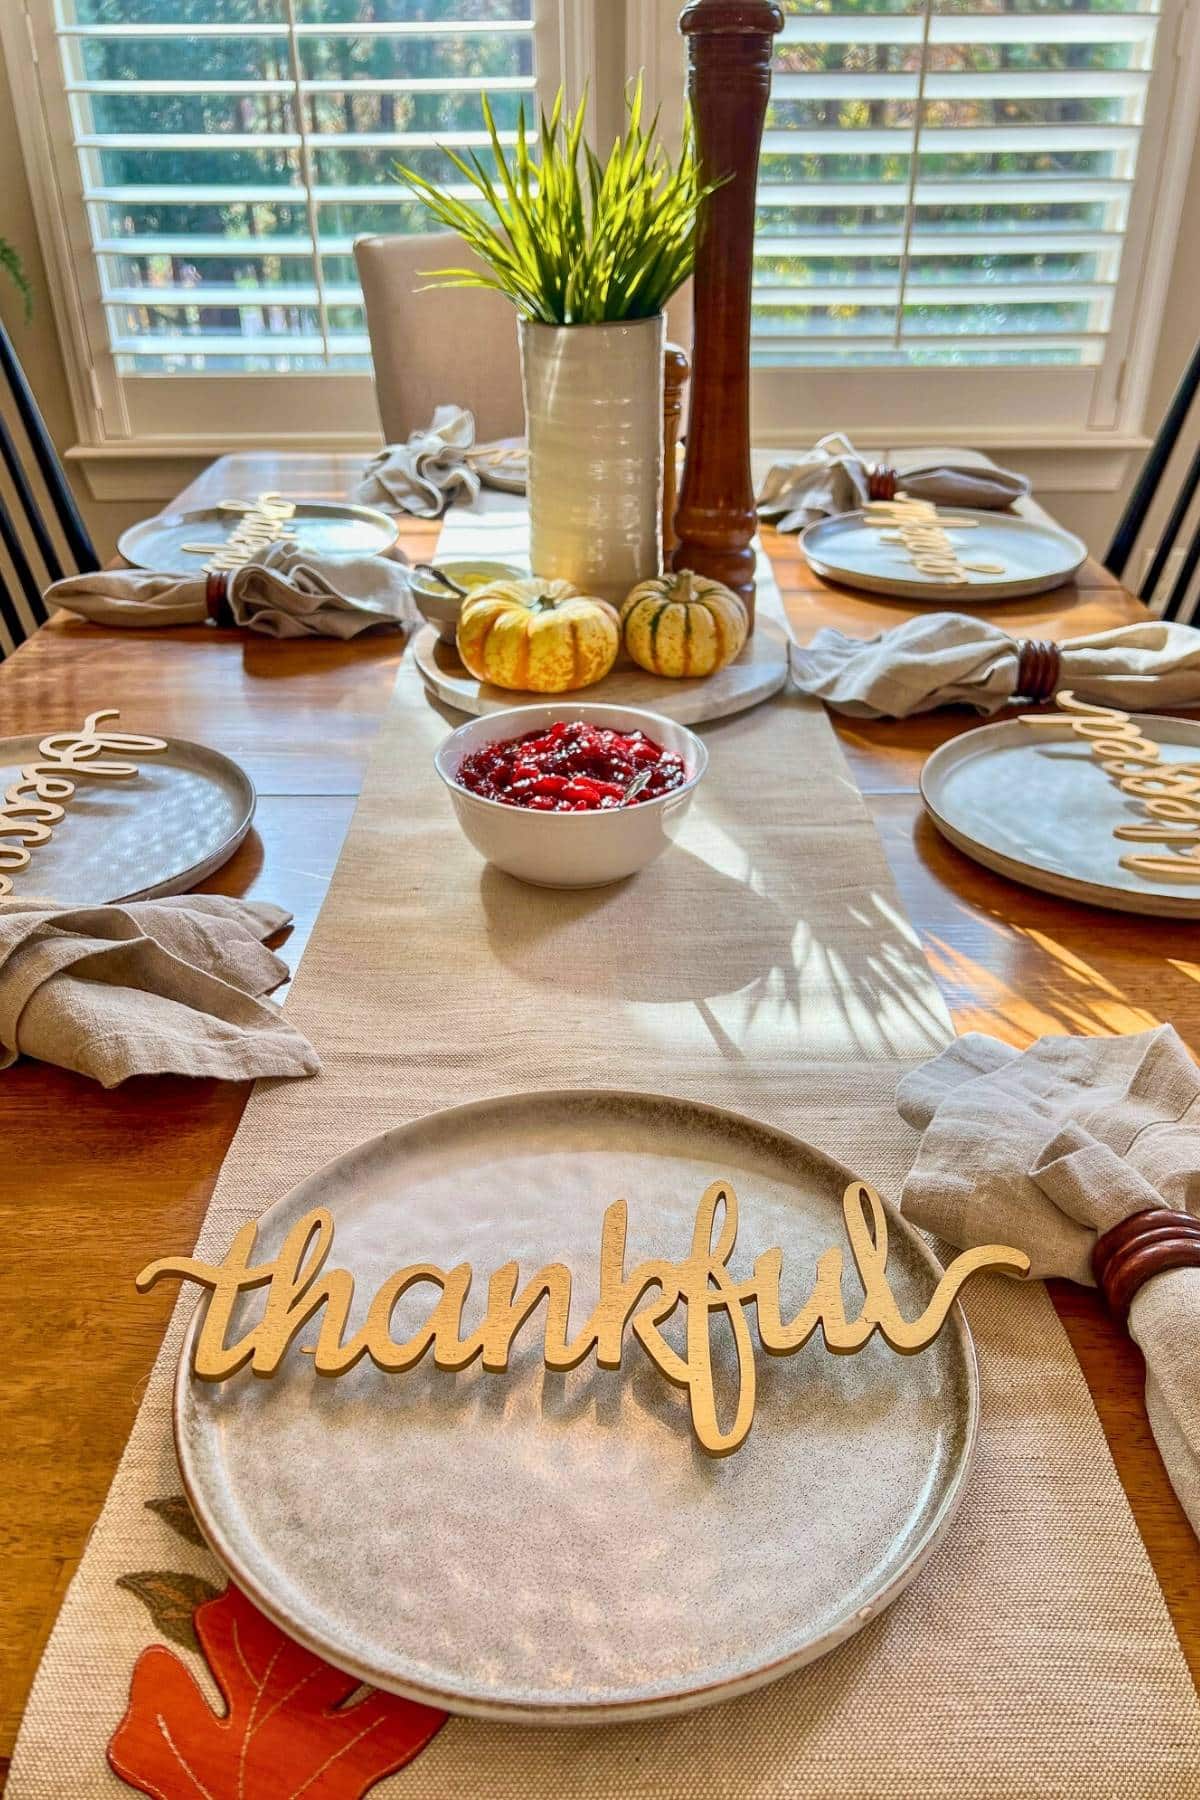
298 1288
1169 792
32 804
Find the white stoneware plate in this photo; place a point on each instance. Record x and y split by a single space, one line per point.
1037 557
557 1549
180 818
324 528
760 671
1035 805
503 465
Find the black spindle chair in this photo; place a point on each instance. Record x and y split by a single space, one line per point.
27 536
1145 493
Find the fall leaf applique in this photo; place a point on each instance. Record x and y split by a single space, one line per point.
287 1733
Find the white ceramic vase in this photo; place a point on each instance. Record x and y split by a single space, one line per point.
594 411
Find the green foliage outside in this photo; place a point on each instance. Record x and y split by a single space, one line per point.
254 238
13 267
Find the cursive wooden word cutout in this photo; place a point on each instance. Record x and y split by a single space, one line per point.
1169 792
925 535
264 522
31 807
297 1290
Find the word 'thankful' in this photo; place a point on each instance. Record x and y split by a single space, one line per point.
298 1289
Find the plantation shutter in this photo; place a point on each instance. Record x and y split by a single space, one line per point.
948 183
231 150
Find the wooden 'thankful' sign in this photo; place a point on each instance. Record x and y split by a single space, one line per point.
298 1290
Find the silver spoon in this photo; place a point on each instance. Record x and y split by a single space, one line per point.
637 786
460 593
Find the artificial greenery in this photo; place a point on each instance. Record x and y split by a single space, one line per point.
13 266
570 239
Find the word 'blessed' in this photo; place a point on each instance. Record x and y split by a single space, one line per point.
1169 792
924 533
31 807
263 522
297 1290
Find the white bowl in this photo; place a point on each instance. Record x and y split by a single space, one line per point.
570 850
438 605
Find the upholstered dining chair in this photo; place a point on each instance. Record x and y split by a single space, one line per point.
448 344
42 533
1147 489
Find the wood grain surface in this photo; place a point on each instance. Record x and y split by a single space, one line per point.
96 1185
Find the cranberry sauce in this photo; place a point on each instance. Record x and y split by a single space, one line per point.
571 767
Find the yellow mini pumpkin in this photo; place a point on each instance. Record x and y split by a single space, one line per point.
683 625
540 637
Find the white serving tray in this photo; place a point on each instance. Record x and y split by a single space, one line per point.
760 671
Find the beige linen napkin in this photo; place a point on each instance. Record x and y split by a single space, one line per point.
1047 1150
954 659
286 593
428 473
834 478
151 987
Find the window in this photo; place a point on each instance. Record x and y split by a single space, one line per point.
966 219
966 216
207 164
949 184
230 152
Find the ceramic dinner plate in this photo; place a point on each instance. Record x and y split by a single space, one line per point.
179 819
760 671
1037 557
503 465
324 528
556 1548
1036 806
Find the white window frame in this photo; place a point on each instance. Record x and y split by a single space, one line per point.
1070 442
1057 410
158 418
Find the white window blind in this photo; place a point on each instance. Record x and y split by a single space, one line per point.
946 183
230 151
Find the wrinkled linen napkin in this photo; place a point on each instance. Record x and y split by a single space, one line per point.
954 659
286 593
834 478
150 987
428 473
1046 1150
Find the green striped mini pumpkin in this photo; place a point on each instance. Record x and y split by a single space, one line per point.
683 625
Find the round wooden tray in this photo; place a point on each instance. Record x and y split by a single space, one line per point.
760 671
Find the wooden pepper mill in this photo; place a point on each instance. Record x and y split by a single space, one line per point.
730 45
676 373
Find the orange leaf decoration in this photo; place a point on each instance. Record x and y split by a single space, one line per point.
287 1733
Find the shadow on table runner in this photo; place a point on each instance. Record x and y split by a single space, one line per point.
764 965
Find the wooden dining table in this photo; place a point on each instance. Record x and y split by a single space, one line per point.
97 1184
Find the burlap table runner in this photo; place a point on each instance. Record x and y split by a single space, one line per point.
765 964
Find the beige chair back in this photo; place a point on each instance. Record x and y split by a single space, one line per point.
449 345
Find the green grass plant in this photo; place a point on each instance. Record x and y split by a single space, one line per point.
572 240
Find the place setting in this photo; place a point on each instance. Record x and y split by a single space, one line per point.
655 1310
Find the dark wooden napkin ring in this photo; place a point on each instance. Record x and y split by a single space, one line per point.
216 598
1039 671
882 482
1140 1247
